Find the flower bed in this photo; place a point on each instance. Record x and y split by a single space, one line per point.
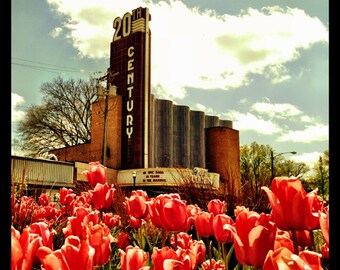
100 229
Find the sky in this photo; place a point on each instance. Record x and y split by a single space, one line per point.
262 64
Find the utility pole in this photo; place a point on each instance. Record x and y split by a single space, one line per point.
109 77
272 157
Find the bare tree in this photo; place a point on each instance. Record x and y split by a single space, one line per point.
63 119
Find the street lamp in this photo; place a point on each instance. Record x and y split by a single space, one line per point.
134 175
272 157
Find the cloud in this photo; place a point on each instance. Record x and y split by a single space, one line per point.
56 32
206 110
309 158
249 121
266 118
198 48
317 132
17 114
278 110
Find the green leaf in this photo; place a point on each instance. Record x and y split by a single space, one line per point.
230 253
238 267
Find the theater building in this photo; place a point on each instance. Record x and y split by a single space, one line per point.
148 141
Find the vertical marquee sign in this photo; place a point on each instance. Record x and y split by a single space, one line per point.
130 56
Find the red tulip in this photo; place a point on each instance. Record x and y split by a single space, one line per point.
123 240
96 173
75 225
133 258
84 199
284 259
304 238
239 209
92 217
24 249
154 212
171 264
74 254
156 206
136 206
16 249
41 228
199 250
215 265
159 255
46 213
324 224
216 207
102 196
135 222
66 196
173 215
100 239
183 240
44 199
283 239
325 251
254 235
204 224
140 192
292 208
192 211
25 208
111 220
186 261
222 235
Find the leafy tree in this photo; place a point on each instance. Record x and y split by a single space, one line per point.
320 178
285 167
63 119
256 171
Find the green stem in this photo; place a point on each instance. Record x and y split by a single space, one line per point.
140 237
175 236
224 253
313 240
296 248
164 233
209 250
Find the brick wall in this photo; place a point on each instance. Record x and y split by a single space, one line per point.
223 157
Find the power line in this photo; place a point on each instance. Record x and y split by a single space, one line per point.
47 67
